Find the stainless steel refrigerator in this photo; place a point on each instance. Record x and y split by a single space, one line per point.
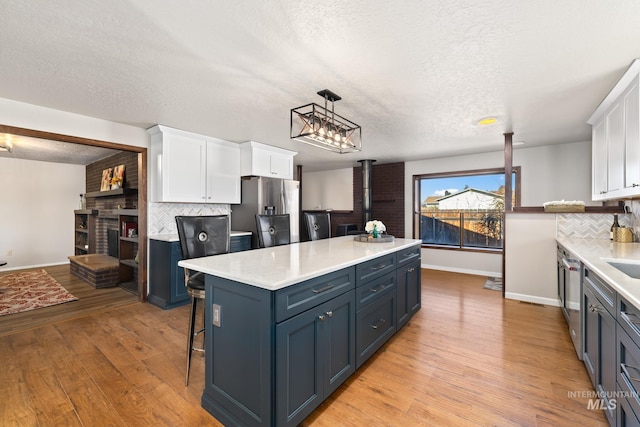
262 195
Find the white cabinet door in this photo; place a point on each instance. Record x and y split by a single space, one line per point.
615 147
191 168
281 166
183 176
599 154
263 160
223 173
631 100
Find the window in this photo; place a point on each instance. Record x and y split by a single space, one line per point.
462 210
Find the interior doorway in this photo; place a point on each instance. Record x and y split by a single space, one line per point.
55 138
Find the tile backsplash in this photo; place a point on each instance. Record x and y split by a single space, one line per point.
162 215
589 226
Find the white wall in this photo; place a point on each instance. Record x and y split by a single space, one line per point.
331 189
553 172
37 200
20 114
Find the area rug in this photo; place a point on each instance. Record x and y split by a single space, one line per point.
30 290
493 283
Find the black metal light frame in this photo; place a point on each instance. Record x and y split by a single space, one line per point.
323 128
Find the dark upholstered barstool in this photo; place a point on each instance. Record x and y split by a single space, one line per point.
200 236
273 230
318 225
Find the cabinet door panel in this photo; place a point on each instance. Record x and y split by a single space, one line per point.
607 368
599 154
409 292
298 383
615 142
590 336
185 170
632 135
223 173
340 341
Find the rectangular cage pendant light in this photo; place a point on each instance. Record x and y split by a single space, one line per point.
323 128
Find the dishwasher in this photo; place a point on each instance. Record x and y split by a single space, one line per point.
573 298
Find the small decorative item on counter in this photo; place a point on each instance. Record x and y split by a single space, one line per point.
614 227
376 234
375 228
623 235
564 206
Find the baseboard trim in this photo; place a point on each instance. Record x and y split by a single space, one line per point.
553 302
24 267
463 270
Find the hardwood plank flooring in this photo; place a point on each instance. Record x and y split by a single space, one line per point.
467 358
90 301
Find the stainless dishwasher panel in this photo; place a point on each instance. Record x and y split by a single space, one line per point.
573 300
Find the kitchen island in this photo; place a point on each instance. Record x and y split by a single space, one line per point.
285 326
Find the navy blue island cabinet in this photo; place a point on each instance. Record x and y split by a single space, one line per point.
273 356
166 278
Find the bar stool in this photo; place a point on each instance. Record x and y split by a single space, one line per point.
200 236
273 230
318 225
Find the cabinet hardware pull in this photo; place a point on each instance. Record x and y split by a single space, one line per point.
379 288
411 270
319 291
625 369
378 267
630 318
330 313
322 317
408 254
595 308
380 323
635 185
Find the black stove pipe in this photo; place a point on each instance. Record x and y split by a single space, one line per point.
367 190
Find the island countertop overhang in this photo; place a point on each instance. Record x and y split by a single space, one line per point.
281 266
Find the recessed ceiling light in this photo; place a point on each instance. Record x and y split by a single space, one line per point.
487 121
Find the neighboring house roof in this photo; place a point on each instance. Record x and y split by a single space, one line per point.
469 199
488 193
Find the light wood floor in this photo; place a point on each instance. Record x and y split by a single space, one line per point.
467 358
90 301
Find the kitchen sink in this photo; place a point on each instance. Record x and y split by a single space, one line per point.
631 269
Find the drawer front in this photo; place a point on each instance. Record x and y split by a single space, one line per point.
629 319
407 255
375 324
628 369
300 297
602 291
377 267
375 289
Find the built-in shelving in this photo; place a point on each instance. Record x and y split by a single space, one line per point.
84 231
111 193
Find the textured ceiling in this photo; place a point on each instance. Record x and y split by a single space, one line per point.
416 74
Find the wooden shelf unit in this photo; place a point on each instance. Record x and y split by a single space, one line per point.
85 231
128 244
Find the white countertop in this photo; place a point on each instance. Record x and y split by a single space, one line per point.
594 252
281 266
174 237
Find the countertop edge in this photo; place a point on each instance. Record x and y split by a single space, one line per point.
592 253
251 257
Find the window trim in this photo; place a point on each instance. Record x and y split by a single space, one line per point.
417 203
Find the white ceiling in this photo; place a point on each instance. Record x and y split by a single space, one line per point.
415 74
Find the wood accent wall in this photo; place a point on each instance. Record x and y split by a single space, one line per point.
388 199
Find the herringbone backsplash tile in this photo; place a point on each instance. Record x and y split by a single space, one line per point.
589 226
162 215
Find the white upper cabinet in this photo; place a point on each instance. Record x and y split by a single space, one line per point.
191 168
258 159
616 140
